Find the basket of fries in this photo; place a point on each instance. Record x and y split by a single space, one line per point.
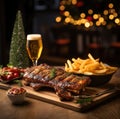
99 72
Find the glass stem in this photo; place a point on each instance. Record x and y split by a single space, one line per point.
34 62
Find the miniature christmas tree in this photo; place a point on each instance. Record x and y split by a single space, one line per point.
18 56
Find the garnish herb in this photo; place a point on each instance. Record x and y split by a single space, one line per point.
9 65
18 82
84 100
52 73
1 66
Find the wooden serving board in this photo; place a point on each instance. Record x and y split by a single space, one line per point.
49 96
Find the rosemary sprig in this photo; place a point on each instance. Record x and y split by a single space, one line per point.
18 82
52 73
84 100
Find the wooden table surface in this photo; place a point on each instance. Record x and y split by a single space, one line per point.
36 109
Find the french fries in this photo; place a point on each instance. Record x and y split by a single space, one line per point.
88 66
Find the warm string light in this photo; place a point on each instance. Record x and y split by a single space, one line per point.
90 18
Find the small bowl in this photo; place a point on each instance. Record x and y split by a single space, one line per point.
16 98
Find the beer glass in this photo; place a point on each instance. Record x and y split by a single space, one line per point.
34 47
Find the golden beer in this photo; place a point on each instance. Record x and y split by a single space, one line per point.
34 47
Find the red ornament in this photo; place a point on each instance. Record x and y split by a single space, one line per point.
80 4
89 18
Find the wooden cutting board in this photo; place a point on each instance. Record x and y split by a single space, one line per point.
49 96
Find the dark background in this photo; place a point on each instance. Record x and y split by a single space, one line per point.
39 17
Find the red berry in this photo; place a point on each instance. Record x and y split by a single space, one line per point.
9 77
15 75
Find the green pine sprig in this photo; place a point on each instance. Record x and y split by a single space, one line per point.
84 100
52 73
18 82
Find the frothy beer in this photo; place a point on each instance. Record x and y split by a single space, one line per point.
34 46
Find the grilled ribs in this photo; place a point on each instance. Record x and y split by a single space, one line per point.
65 84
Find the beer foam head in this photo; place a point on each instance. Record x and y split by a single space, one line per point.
33 36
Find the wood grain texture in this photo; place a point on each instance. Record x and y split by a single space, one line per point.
36 109
50 97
